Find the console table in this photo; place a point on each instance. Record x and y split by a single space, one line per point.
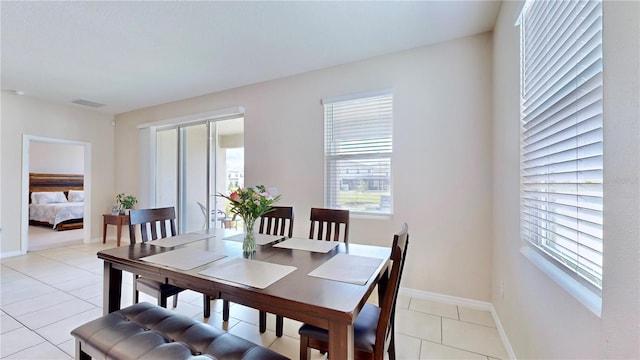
118 221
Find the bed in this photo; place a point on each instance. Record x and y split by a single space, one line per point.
56 200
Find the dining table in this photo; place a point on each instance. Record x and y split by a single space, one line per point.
325 285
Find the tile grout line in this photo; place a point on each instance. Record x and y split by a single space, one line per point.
31 330
28 267
441 330
45 340
49 285
458 348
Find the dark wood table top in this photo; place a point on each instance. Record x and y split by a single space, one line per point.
298 296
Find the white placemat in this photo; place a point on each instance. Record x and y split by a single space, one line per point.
184 259
254 273
347 268
178 240
218 232
320 246
261 239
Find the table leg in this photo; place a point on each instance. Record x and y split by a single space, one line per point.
119 232
104 231
341 341
111 289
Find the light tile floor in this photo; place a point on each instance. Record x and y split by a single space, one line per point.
45 294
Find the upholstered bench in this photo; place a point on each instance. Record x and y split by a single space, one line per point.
146 331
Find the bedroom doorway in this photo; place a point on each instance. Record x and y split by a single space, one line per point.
41 157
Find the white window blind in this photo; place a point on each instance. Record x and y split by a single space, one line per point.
358 147
561 164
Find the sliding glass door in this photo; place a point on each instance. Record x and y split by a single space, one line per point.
194 162
166 168
193 171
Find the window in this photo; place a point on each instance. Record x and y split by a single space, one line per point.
561 150
357 150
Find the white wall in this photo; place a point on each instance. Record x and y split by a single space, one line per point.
441 163
52 158
620 331
541 319
23 115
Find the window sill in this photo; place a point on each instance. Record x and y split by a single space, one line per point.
370 216
586 297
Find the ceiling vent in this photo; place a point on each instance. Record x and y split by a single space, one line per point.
84 102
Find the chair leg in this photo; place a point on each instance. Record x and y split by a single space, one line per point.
207 305
175 300
263 321
225 310
279 325
392 346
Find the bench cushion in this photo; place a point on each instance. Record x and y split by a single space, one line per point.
146 331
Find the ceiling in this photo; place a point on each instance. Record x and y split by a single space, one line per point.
132 55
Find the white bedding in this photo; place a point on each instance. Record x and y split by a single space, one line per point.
56 213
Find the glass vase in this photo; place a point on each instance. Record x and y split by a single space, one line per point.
249 243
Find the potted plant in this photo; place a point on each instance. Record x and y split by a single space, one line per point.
125 202
250 203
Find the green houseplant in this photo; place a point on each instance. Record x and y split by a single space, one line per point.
125 202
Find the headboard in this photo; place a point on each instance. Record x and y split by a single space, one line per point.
55 182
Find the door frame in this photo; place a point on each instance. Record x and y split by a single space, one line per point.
147 136
26 149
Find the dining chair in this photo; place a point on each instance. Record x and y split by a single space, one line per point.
156 224
326 224
228 223
374 326
278 221
217 213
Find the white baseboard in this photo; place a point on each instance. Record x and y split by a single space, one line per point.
18 252
470 303
10 254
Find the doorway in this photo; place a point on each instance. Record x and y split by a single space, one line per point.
195 162
54 156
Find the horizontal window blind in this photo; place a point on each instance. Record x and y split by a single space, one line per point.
358 147
562 164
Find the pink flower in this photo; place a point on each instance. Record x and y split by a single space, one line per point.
234 196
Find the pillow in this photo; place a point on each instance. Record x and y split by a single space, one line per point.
76 196
48 197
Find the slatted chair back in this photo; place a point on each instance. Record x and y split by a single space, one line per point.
386 321
278 221
326 224
154 223
378 320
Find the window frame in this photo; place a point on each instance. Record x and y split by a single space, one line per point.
588 293
330 197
